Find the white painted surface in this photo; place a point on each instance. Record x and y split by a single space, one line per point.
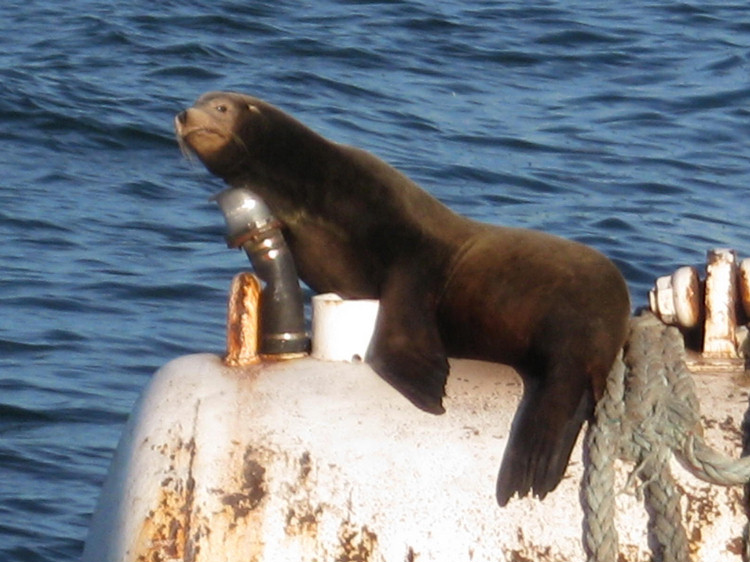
310 460
342 329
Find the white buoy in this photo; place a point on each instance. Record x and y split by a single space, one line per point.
310 460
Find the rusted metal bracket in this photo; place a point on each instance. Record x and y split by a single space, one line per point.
718 306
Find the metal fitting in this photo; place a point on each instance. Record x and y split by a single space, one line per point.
252 226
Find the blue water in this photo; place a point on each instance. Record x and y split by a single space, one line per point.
625 125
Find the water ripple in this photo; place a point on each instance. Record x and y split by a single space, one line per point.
623 126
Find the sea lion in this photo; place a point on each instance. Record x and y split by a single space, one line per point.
555 310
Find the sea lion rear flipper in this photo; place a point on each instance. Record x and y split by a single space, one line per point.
542 436
406 349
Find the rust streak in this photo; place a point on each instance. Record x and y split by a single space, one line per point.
166 531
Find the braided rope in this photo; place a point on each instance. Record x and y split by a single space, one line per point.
648 413
600 538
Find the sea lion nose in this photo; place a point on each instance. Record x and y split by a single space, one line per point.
182 117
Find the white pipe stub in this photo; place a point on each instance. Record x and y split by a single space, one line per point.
342 329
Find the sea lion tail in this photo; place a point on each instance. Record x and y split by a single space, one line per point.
542 436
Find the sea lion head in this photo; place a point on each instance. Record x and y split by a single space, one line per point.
211 129
238 136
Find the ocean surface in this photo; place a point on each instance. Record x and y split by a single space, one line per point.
624 125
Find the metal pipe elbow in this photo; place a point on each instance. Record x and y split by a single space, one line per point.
252 226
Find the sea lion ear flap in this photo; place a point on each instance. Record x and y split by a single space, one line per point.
406 349
253 108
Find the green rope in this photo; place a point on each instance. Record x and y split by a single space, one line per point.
648 413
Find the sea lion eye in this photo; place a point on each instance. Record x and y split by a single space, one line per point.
221 108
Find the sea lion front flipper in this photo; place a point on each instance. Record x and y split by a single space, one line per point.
543 433
406 349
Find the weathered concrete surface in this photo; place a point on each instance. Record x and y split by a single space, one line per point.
309 460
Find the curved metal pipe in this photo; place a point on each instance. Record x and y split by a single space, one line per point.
251 225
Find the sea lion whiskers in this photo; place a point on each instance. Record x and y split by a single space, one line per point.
185 149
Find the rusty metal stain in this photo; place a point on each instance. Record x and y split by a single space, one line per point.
703 511
242 320
745 285
254 482
166 531
302 520
303 515
178 526
240 508
529 551
252 485
355 544
736 546
305 466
